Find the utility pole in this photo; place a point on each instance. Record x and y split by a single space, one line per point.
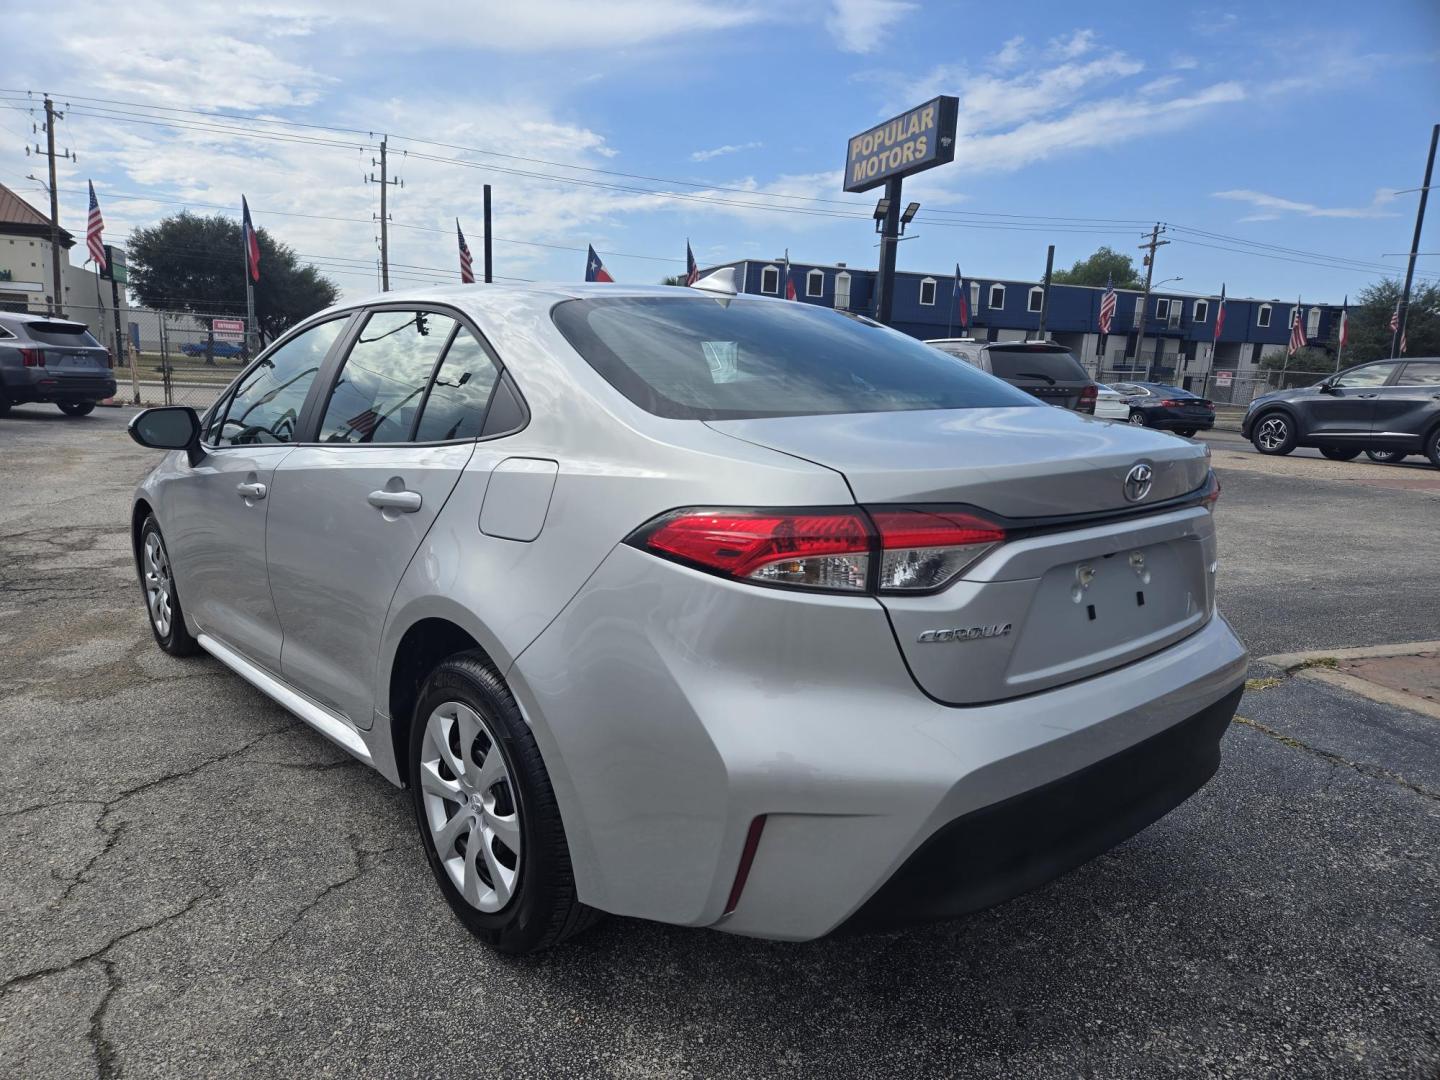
487 235
51 115
385 185
1045 294
1404 309
1150 246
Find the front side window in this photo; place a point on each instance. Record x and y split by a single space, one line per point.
265 407
455 406
1426 373
815 283
378 393
997 296
1370 375
702 359
927 291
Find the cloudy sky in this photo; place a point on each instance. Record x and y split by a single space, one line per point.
1274 137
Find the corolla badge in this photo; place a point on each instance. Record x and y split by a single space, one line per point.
965 633
1138 481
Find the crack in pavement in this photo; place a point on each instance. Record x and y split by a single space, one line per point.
1374 772
366 859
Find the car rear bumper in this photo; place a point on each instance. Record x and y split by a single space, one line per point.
1171 421
58 389
674 708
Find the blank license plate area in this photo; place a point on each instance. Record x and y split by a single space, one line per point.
78 360
1105 611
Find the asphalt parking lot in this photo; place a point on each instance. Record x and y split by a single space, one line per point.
198 885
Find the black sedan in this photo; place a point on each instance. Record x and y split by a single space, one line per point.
1160 406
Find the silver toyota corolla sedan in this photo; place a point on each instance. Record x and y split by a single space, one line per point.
722 611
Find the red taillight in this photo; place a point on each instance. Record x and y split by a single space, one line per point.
924 549
1212 496
32 357
1088 396
811 549
913 549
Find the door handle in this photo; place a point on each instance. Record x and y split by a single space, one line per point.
251 490
406 502
1367 395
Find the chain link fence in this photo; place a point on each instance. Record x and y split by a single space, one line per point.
1224 386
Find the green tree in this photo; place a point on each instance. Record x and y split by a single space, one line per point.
1370 313
673 279
1105 264
193 263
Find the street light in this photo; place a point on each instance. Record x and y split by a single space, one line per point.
909 213
882 208
1167 281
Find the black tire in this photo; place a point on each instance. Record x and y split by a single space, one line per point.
1137 418
172 634
1273 434
4 405
1432 446
1340 453
543 909
1386 457
1187 432
77 408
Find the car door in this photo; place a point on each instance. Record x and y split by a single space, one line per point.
350 508
214 512
1346 409
1408 405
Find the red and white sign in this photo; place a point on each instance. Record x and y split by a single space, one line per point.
228 329
1224 378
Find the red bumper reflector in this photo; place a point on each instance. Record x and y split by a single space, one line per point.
747 856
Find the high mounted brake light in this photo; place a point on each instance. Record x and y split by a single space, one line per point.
879 549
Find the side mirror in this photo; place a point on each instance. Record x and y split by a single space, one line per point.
171 427
1326 387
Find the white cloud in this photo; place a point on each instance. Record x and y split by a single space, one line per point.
1183 63
721 151
1010 53
860 26
1269 207
1077 44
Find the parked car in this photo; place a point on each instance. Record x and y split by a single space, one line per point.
1110 404
223 350
739 614
1391 405
52 360
1042 369
1159 405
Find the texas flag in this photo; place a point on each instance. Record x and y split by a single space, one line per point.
594 268
962 294
251 241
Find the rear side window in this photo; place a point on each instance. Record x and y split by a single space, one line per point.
1421 374
61 334
381 386
265 407
1036 363
455 406
722 359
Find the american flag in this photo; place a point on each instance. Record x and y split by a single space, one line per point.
594 268
93 240
251 242
1220 314
1345 322
467 269
1395 325
963 298
1297 330
1107 306
692 271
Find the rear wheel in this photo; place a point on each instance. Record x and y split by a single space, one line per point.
1432 446
487 813
162 602
4 405
77 408
1273 433
1386 457
1137 418
1340 453
1188 432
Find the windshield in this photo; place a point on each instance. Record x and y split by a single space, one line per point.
1036 363
717 359
61 333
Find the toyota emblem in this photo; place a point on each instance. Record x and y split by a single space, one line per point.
1137 482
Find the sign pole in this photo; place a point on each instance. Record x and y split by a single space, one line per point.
889 237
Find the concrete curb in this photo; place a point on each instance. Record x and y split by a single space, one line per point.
1309 665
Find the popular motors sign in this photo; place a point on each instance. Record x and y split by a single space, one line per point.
914 141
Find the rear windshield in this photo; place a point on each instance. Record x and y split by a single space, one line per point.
59 333
700 358
1036 363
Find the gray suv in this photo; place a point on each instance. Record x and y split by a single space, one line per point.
1042 369
716 610
52 360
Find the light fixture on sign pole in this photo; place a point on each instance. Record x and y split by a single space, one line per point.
908 215
881 209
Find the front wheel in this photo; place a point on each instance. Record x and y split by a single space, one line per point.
1187 432
162 602
1340 453
1432 446
1273 434
487 813
1386 457
1137 418
77 408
